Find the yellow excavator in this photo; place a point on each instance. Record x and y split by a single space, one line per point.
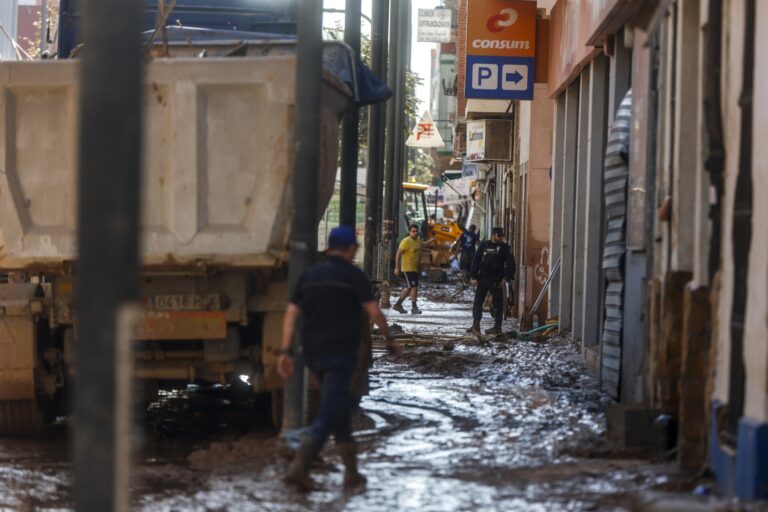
439 236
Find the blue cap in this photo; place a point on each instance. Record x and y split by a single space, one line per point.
342 237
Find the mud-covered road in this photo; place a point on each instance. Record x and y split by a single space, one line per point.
453 425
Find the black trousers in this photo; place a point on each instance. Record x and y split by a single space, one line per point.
497 306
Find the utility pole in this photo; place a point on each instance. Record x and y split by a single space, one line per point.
350 127
398 46
375 173
401 156
394 134
108 247
309 65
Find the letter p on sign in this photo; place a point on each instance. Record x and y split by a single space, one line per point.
485 76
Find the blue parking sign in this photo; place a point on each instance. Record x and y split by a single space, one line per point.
499 78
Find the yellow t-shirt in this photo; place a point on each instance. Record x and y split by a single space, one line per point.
411 254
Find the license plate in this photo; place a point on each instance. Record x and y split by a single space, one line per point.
182 325
186 302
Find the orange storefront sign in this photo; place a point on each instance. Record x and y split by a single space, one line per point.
503 28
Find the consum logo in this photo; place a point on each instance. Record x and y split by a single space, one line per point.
501 28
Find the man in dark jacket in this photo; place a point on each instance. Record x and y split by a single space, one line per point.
467 244
331 298
492 266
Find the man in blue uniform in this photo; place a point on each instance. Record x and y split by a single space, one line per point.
492 266
467 243
331 298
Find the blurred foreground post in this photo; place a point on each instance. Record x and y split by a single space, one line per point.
309 53
108 230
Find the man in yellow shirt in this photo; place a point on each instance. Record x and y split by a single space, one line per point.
407 263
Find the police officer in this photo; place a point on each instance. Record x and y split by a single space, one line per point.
492 266
331 298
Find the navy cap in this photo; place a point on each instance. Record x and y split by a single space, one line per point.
342 237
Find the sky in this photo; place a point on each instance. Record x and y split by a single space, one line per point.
421 60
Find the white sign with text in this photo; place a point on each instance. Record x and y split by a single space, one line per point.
434 26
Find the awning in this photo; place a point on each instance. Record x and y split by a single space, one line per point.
485 108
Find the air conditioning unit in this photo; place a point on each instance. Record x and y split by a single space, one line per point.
489 140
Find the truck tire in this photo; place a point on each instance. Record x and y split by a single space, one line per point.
20 418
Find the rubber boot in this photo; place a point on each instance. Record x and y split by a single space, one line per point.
475 329
298 471
496 329
352 477
399 307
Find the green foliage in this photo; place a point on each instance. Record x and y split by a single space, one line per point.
420 164
421 167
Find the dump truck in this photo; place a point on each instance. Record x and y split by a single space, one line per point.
217 171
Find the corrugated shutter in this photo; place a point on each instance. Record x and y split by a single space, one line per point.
615 186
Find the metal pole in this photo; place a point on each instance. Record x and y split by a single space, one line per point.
373 181
400 156
392 135
108 239
350 127
309 62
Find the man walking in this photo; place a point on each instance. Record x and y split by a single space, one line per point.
467 243
492 266
331 298
409 252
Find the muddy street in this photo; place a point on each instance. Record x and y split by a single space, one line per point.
455 424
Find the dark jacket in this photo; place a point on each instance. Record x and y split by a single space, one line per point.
330 295
493 262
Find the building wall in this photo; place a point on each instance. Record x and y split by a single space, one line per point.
701 233
461 55
738 458
732 71
756 333
29 34
535 195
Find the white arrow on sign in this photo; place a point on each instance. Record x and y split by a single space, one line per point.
425 134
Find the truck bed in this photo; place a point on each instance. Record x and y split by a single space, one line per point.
218 160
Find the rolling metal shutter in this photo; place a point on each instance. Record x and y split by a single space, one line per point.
615 179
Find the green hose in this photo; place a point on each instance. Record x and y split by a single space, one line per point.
539 329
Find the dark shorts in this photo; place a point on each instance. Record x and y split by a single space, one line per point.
411 279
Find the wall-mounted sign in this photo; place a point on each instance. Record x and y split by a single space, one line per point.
434 26
468 170
425 134
475 141
501 49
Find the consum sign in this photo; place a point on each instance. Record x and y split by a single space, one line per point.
501 49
